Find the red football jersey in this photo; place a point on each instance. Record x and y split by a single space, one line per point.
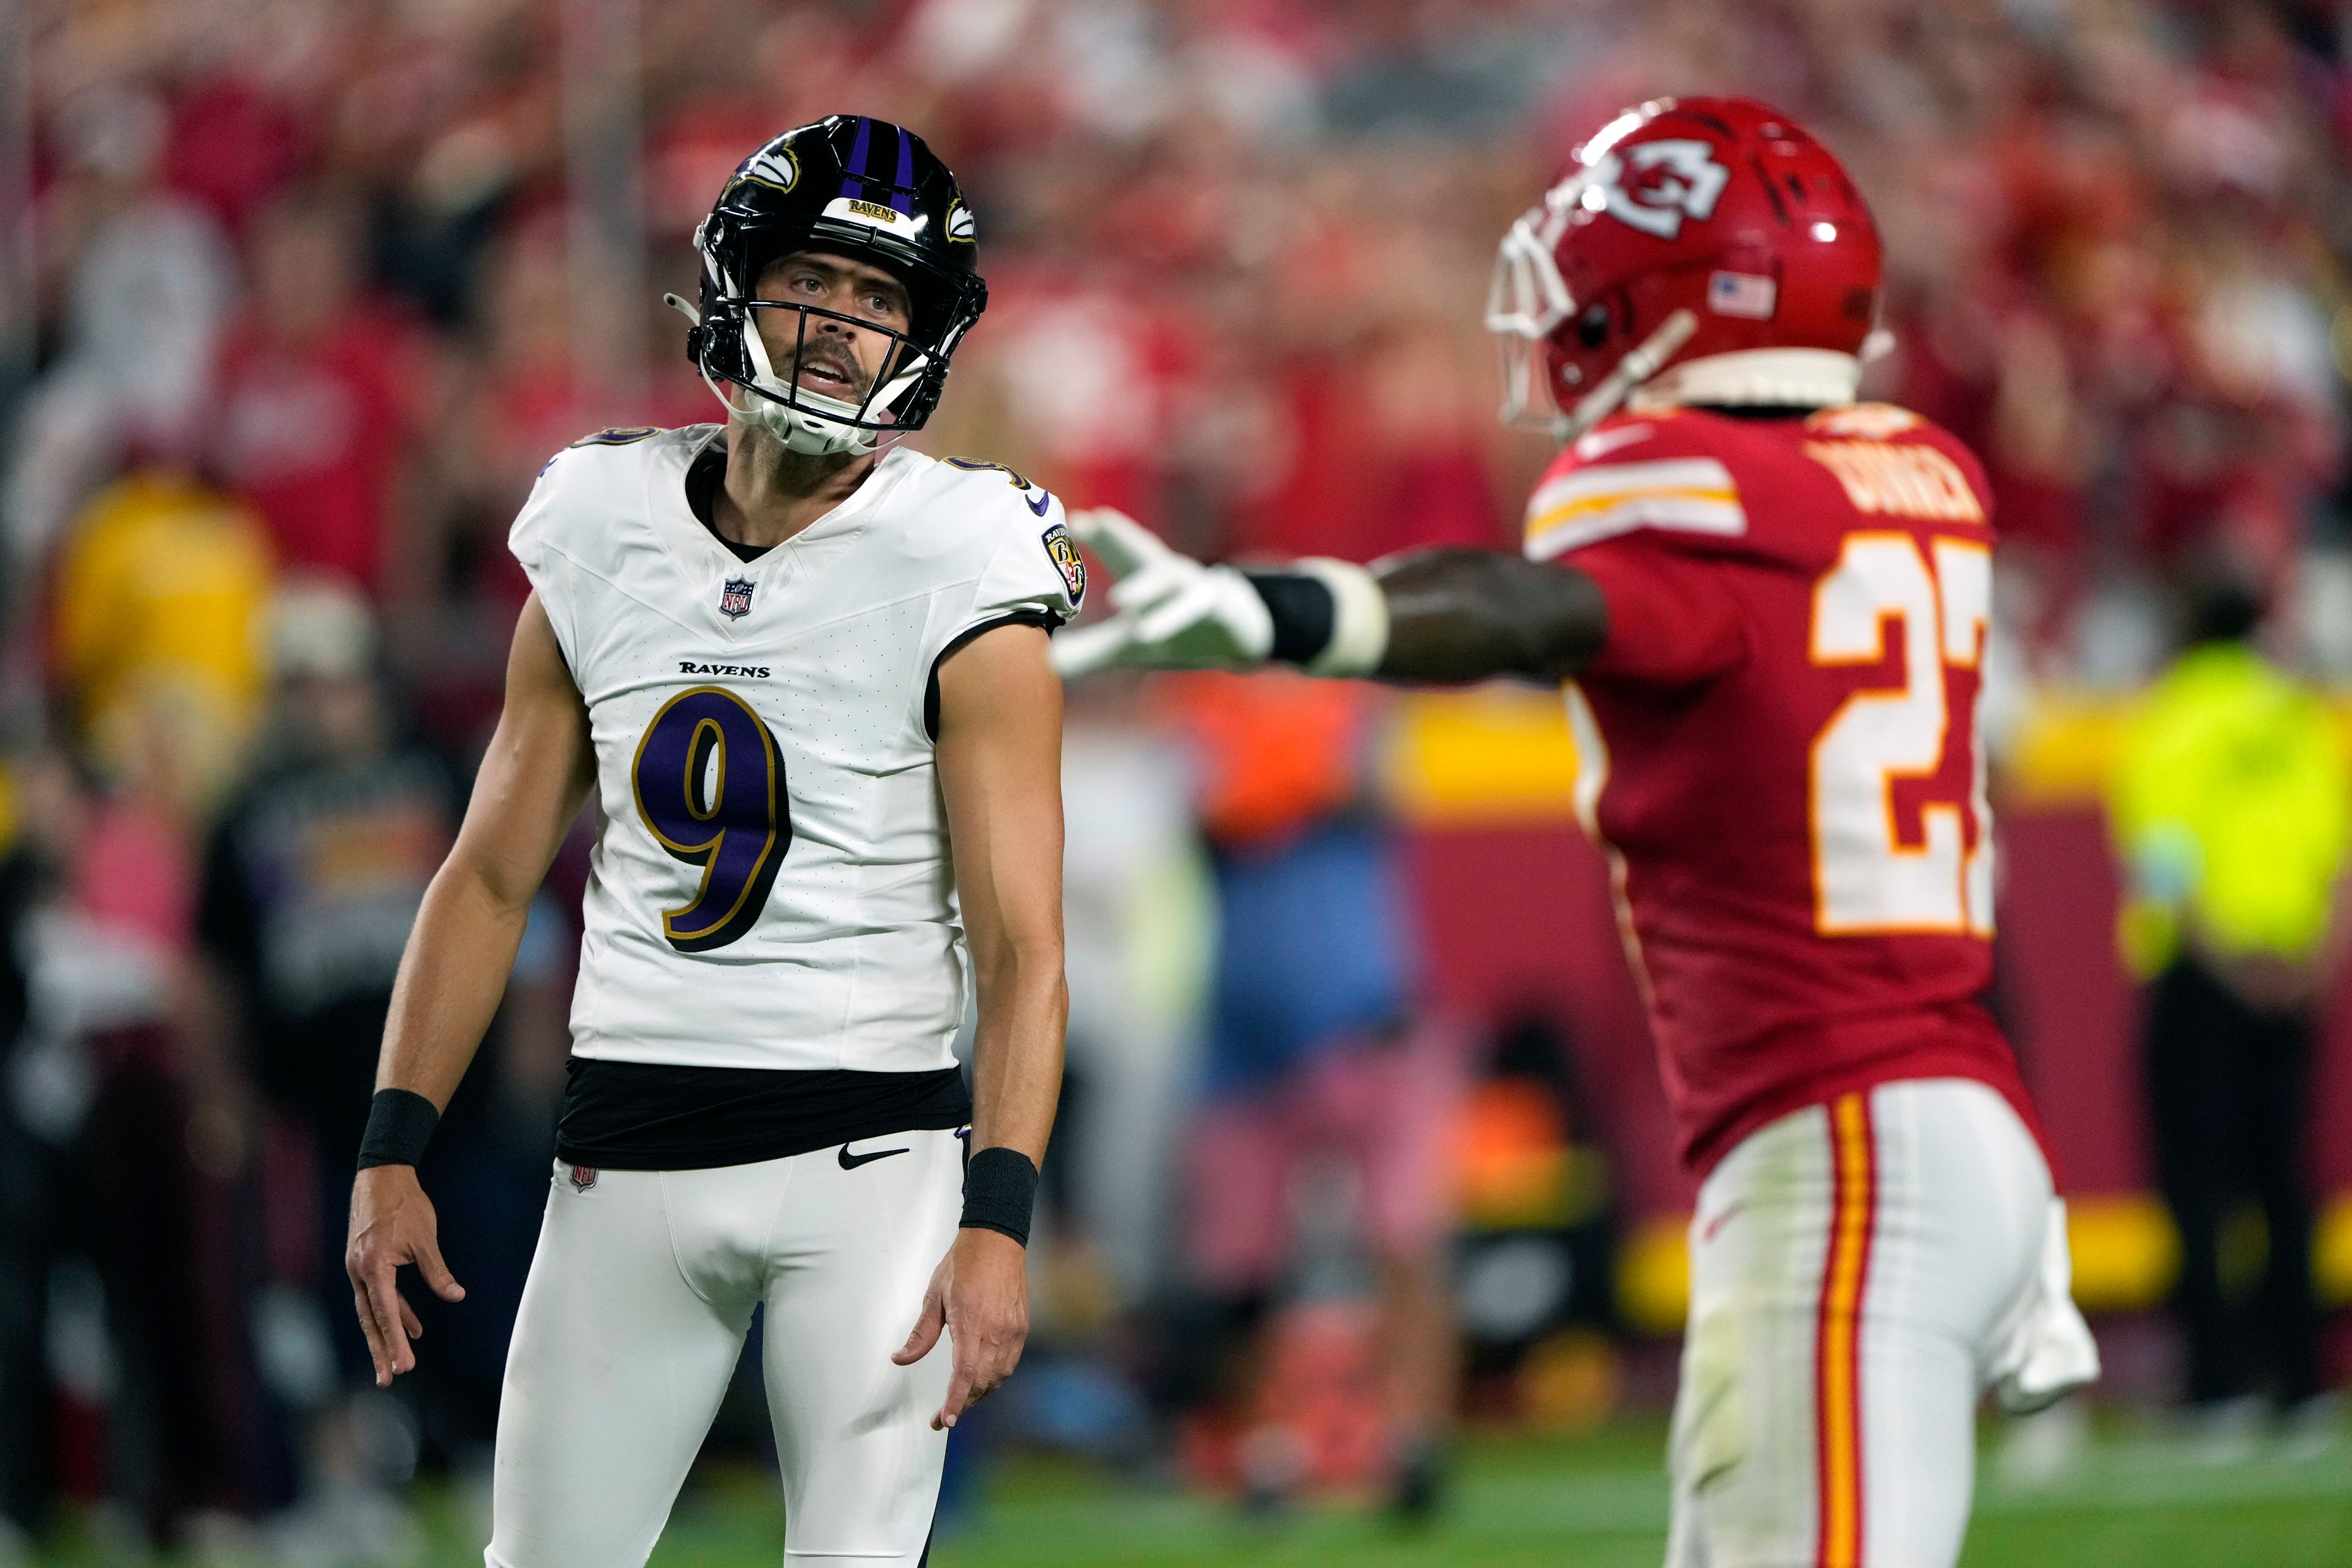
1779 749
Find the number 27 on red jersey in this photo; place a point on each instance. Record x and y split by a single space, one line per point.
1933 601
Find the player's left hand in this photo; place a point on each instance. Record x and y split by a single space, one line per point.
980 1295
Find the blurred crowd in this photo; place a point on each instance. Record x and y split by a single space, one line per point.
301 297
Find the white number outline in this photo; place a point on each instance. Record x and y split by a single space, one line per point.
1867 879
1963 570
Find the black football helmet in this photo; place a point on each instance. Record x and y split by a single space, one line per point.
857 187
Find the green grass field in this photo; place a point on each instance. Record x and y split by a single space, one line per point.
2132 1501
1600 1502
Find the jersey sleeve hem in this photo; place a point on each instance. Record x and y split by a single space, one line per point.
1046 619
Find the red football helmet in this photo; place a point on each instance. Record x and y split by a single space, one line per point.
1686 230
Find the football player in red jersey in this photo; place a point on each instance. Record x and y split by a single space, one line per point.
1768 606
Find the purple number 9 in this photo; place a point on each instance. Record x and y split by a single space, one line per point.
711 787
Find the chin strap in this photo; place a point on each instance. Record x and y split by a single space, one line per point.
802 429
809 431
796 428
734 410
1630 373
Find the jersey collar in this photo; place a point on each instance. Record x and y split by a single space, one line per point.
706 562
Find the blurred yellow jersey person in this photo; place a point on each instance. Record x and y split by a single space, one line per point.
158 601
2232 805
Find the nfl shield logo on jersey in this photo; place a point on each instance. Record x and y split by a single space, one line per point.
735 598
583 1178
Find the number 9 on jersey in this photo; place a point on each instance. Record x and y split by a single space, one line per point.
710 782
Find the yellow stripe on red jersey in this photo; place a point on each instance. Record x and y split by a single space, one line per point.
1586 505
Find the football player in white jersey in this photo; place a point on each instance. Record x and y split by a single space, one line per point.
805 673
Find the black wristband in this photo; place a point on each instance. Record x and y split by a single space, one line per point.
1000 1188
399 1124
1304 613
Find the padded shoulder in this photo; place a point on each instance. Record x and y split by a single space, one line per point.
584 487
1012 532
586 513
1698 481
1664 471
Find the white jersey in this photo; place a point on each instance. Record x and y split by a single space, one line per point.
771 886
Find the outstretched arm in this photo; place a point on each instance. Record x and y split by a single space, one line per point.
1468 614
532 780
1446 615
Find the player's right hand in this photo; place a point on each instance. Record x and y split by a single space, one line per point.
1172 612
393 1223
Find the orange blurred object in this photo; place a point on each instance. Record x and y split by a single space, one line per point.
1276 750
1512 1159
1571 1382
1317 1420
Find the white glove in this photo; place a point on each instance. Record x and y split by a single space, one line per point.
1171 611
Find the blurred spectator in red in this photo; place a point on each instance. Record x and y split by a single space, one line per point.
318 385
1382 453
515 401
234 145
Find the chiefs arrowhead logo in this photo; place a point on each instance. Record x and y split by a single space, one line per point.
1653 186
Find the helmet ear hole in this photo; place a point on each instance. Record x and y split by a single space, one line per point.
1593 325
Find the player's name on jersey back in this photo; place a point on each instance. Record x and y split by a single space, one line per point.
1902 480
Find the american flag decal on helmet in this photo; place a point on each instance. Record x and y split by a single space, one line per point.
735 598
1748 294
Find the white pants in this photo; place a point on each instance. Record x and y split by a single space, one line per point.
633 1318
1858 1273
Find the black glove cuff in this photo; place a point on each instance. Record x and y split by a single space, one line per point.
399 1124
1304 613
1000 1188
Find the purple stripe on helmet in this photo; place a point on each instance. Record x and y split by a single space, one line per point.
855 185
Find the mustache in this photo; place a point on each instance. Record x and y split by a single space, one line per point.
839 361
